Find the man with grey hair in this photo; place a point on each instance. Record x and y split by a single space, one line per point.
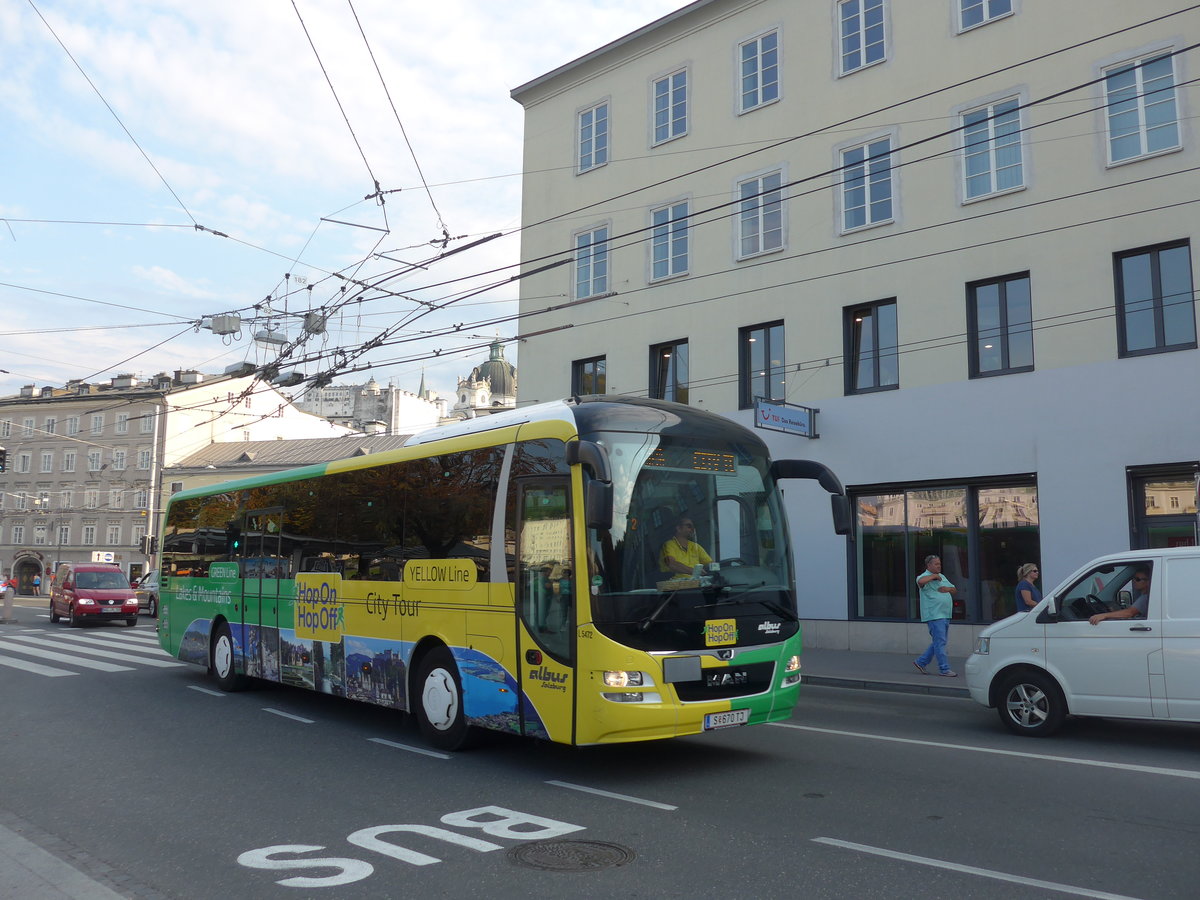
937 605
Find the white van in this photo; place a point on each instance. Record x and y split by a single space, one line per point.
1040 666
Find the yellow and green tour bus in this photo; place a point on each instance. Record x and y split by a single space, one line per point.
508 573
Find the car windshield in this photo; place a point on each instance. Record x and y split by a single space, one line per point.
101 581
697 536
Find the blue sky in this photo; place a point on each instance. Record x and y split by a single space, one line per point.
129 123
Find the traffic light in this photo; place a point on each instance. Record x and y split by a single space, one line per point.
144 545
153 544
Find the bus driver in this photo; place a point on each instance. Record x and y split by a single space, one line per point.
680 554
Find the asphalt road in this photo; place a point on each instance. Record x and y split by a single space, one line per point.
153 784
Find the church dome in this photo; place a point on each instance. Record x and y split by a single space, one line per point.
501 374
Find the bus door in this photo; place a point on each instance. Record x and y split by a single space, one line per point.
546 591
264 568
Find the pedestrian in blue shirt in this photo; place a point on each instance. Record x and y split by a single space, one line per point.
937 605
1027 594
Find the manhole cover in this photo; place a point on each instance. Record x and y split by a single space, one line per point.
571 856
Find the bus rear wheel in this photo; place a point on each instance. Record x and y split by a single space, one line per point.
439 701
221 660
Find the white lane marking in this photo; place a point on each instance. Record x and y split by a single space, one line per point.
27 666
114 644
973 870
611 795
1125 767
420 750
63 658
204 690
105 654
280 712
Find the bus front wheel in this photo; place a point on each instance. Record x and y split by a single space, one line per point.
439 701
221 660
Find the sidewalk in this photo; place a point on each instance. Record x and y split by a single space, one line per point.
878 672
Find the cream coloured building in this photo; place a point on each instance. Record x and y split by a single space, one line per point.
962 230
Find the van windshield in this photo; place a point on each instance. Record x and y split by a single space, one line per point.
101 581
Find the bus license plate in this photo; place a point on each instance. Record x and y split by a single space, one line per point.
726 719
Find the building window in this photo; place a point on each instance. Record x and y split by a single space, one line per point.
761 364
1000 326
91 499
587 376
147 422
112 535
50 425
669 371
138 532
114 498
98 424
591 263
39 535
862 33
143 459
73 425
670 107
982 532
64 535
669 241
68 461
24 463
6 428
867 184
1155 305
992 149
93 460
872 360
1142 118
141 499
593 137
980 12
1164 505
760 214
27 428
22 500
122 423
66 499
18 534
759 71
89 535
118 460
47 461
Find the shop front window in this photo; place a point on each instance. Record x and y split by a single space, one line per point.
1165 508
981 532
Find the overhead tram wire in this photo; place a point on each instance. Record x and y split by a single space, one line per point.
108 106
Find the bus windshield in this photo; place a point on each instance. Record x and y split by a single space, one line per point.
697 536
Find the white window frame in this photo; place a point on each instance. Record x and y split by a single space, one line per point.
673 233
64 535
91 499
971 146
673 131
27 427
754 189
89 535
112 535
593 152
73 425
98 423
118 459
584 259
143 459
68 461
24 462
49 425
18 535
141 499
1143 102
146 422
47 461
95 460
122 423
844 172
960 7
114 498
6 428
859 6
740 74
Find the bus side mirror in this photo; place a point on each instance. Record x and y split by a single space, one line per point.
823 475
598 490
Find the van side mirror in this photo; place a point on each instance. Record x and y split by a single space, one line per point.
1124 598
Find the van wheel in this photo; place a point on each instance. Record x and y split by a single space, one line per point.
73 621
1031 704
439 701
221 661
54 617
130 622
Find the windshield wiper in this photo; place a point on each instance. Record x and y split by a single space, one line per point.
779 610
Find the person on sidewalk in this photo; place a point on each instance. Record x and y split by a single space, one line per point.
1027 594
937 605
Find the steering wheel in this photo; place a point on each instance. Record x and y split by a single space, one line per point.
1096 604
732 562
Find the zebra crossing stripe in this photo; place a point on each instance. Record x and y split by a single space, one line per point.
27 666
94 651
62 657
113 643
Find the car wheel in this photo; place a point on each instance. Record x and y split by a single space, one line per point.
221 660
1031 704
439 701
54 617
129 623
152 608
73 620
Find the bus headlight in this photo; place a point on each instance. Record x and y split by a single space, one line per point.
793 664
622 679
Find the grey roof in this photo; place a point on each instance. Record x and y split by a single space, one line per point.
283 454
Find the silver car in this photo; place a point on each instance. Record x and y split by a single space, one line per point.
147 594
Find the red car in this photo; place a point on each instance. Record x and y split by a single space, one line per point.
93 592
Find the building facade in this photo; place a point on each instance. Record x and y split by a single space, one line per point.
960 229
371 407
83 477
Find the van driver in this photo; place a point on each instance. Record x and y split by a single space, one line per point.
1141 600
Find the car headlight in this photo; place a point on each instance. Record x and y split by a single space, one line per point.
85 601
983 645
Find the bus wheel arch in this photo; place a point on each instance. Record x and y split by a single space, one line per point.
222 661
436 697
